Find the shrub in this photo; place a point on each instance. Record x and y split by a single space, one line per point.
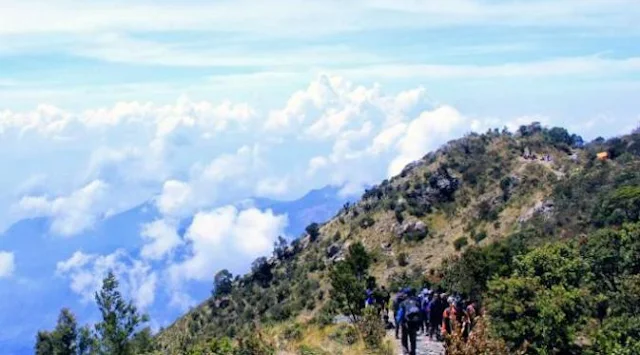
372 329
293 332
403 259
399 216
460 243
313 230
480 236
305 349
367 222
254 343
345 334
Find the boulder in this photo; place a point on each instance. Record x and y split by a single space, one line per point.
333 250
410 228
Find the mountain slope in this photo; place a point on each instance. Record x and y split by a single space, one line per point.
477 189
42 291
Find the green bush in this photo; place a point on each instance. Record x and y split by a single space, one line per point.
403 259
310 350
372 329
293 332
480 236
460 243
345 334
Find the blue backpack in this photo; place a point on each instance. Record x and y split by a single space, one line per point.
412 311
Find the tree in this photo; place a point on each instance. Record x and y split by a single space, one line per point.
62 340
261 271
280 248
542 303
358 260
120 319
349 281
86 341
65 334
222 283
313 230
142 341
347 290
44 343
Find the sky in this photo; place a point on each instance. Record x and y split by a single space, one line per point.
192 106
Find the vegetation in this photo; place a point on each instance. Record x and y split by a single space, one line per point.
550 249
119 331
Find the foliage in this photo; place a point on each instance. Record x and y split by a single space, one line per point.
482 235
460 243
479 342
619 206
618 336
345 334
222 283
372 329
403 259
293 332
120 319
254 343
313 230
348 281
116 334
261 271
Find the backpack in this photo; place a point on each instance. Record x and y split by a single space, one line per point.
412 311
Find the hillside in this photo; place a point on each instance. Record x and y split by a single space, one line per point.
475 190
535 225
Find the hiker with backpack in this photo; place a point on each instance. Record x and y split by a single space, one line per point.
436 308
425 307
449 318
397 301
409 317
385 297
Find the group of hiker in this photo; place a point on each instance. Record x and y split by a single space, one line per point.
435 314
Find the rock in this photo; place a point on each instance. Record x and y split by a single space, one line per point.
410 228
333 250
544 208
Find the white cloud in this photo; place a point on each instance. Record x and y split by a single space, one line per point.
86 272
7 264
571 66
71 214
226 235
272 187
175 194
221 179
162 239
295 18
430 129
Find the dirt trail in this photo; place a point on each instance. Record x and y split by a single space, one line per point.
425 346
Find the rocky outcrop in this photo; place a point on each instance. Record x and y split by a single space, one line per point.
542 208
411 230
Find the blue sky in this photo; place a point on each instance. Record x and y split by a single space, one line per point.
189 107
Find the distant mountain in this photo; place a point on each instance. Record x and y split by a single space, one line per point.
32 301
317 205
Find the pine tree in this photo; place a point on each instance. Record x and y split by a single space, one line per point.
120 319
65 334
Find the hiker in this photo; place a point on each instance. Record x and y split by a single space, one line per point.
383 300
426 308
436 307
449 317
469 319
400 297
410 318
369 301
425 296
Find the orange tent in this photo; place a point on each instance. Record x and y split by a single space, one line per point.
603 155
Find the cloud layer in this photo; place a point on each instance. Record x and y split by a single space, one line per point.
7 264
193 161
